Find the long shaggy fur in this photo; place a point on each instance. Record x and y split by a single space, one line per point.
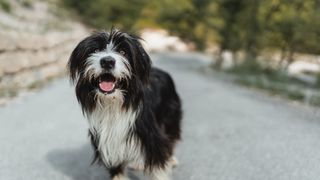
139 121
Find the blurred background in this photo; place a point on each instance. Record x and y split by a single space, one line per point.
271 45
248 72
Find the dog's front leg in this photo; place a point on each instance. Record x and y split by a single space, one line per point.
120 177
161 173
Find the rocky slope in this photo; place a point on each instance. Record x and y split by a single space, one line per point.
36 39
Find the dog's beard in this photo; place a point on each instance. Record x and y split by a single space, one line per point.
116 99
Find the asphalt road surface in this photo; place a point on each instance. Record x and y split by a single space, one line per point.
229 132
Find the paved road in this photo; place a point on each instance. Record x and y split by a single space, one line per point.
229 133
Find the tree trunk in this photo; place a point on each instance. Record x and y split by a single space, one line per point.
235 58
252 33
219 61
282 58
290 59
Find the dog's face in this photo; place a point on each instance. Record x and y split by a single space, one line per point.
108 66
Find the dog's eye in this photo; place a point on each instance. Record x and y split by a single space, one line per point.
122 52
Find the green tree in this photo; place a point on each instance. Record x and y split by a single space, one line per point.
228 32
186 20
248 26
101 13
292 26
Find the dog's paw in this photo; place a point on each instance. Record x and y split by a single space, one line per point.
120 177
173 161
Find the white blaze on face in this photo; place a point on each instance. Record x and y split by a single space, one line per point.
122 66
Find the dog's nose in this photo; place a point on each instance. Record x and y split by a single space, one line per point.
107 62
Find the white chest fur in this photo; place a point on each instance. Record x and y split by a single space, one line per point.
112 125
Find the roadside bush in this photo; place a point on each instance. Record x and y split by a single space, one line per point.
5 5
318 81
248 67
276 82
26 3
122 14
315 100
295 95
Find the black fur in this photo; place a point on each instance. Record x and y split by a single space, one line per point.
116 170
157 127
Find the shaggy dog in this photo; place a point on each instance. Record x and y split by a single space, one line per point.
133 109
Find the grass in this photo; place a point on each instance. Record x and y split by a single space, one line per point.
315 100
14 90
318 81
275 82
42 83
5 5
8 91
272 88
36 85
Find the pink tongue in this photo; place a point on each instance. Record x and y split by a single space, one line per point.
106 86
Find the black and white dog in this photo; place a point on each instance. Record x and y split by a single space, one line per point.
133 109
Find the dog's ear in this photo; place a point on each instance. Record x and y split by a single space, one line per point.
142 62
79 55
76 57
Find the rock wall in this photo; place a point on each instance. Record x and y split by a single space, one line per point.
35 44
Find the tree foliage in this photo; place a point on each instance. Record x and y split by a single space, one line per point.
123 14
249 26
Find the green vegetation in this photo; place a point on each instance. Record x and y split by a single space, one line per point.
276 82
315 100
26 3
246 27
101 14
318 80
5 5
249 26
8 91
276 85
38 84
13 90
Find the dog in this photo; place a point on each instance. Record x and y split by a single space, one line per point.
133 109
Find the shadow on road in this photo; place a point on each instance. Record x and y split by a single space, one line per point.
75 163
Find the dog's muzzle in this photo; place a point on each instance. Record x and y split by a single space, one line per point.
106 81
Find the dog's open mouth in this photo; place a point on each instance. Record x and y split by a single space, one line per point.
107 83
